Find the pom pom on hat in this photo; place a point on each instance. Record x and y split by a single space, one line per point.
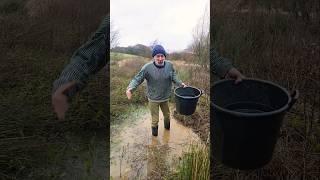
158 49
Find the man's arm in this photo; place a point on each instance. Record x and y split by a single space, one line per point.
223 67
219 65
137 80
87 60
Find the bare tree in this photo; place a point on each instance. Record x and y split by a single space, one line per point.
155 42
201 40
114 36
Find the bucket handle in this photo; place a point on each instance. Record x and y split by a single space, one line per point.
294 97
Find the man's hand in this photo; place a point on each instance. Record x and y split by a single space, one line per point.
183 85
233 73
60 100
129 94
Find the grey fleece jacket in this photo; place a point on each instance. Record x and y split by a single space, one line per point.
159 80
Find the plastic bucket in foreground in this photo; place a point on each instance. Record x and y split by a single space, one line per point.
246 121
186 99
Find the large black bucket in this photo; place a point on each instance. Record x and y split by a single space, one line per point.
246 121
186 99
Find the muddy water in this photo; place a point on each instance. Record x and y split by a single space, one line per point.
135 153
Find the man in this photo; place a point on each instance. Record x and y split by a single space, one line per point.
91 57
159 74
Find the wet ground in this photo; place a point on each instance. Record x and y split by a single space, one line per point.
88 159
136 154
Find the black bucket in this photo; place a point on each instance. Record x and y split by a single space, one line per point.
186 99
246 121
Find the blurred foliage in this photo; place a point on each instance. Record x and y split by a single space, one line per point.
277 41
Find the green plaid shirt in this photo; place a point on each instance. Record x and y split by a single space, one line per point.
219 65
91 57
87 60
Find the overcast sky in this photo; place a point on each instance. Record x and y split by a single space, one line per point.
171 22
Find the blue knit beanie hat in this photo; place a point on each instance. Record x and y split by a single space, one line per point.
158 49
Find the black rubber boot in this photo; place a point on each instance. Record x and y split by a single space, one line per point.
155 131
167 125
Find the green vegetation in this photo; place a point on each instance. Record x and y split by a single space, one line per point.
11 6
277 42
121 72
35 45
30 132
194 164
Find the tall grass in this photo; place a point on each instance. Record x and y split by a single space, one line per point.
278 46
36 42
121 76
60 26
194 164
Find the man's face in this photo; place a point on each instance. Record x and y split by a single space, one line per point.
159 58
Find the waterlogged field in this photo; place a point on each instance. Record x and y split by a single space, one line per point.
135 153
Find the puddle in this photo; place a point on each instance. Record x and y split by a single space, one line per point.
88 159
82 156
136 154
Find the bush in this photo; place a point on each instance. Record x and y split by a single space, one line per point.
11 6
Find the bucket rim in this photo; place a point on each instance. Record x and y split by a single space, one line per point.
242 114
183 97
